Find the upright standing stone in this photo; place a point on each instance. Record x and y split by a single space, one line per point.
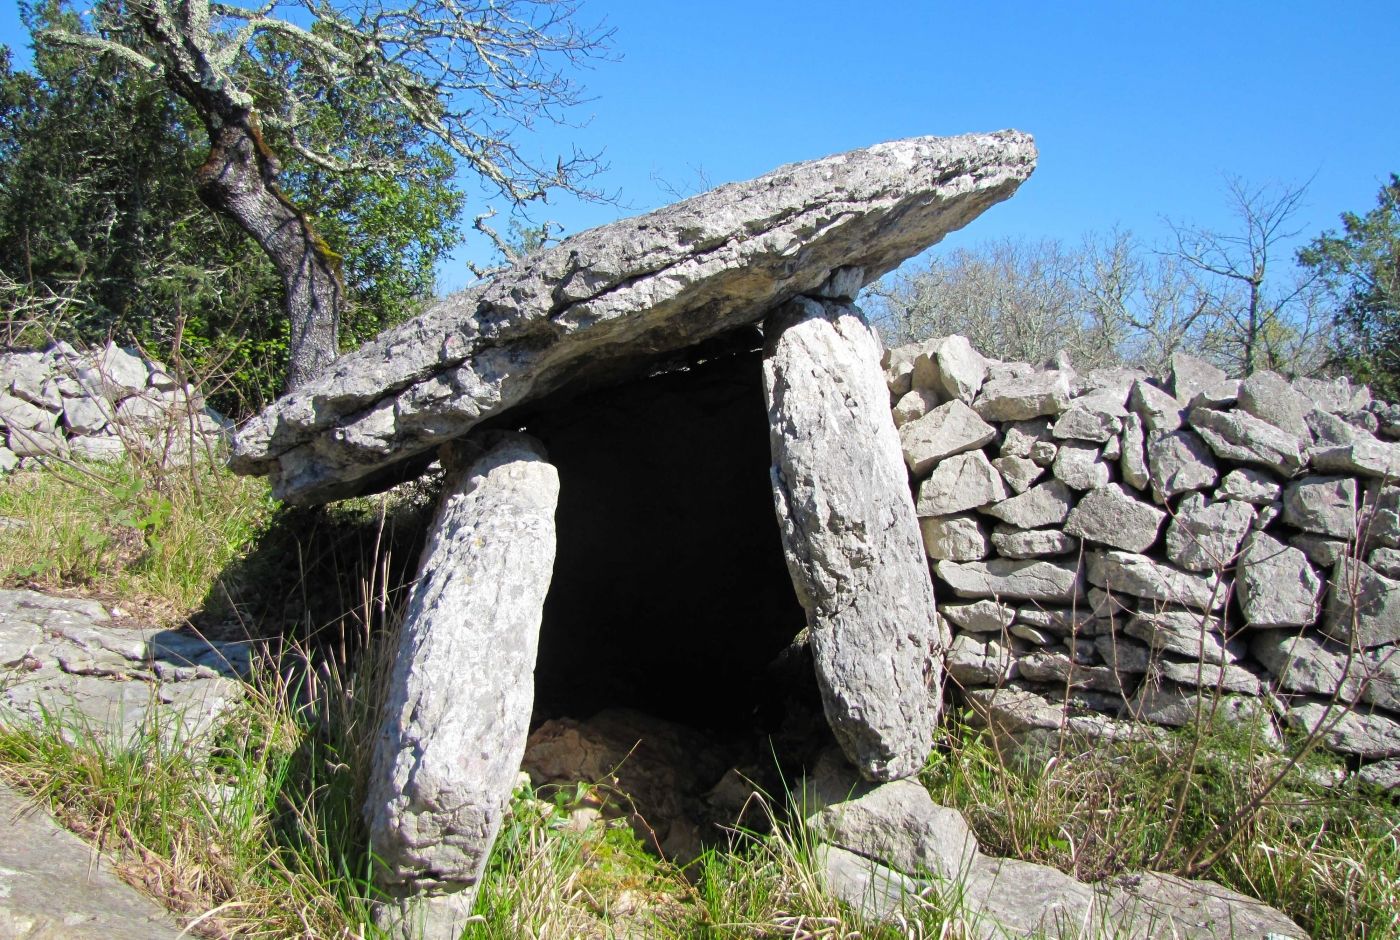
851 536
458 712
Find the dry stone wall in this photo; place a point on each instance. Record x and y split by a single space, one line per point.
97 405
1112 546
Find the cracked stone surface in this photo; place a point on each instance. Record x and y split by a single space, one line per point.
612 302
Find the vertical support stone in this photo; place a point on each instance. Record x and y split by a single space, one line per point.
458 710
851 536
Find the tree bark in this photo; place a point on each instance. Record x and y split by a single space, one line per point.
239 180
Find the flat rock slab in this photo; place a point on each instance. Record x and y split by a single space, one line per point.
53 886
66 660
851 538
612 302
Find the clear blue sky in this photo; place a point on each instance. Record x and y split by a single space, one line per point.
1138 109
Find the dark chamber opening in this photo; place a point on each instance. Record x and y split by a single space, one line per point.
670 593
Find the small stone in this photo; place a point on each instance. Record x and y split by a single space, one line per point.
1028 396
139 411
1335 396
1363 606
1329 430
1112 450
8 460
1158 410
1347 731
1132 462
1011 542
1379 519
1164 703
1237 435
18 413
1103 604
1323 505
925 374
986 616
961 368
1205 536
1384 774
949 429
1021 436
1186 633
954 538
1276 585
1032 634
1264 516
1300 663
1062 621
899 824
1043 505
86 415
1249 485
1268 396
1083 425
1220 395
964 481
1122 654
1384 560
974 660
1190 375
1081 466
1057 668
1210 676
1179 462
1043 453
1140 576
36 442
1369 458
1112 517
1320 551
913 406
1052 582
898 364
1018 472
97 448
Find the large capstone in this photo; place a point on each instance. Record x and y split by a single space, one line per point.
458 709
615 302
852 540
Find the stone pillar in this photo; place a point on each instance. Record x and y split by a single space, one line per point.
851 536
458 708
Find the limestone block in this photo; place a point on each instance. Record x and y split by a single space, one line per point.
1268 396
949 429
1277 587
1080 466
1052 582
1368 458
1011 542
1020 473
960 537
1190 376
462 687
1021 436
961 369
1237 435
1023 397
1140 576
1363 606
1132 460
899 825
985 616
1205 536
1323 505
1043 505
1347 731
1179 462
1112 517
1249 485
914 405
978 660
1188 633
1158 410
851 537
965 481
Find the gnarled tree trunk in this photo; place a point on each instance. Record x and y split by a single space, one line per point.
239 180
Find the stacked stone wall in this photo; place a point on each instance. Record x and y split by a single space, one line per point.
98 404
1111 545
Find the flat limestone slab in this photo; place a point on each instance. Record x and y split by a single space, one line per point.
458 706
851 537
52 886
612 302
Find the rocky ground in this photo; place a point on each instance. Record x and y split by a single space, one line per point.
79 664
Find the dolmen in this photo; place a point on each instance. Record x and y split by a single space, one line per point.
788 253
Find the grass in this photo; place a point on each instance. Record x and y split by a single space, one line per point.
262 835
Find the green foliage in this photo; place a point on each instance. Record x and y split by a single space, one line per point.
1362 268
102 232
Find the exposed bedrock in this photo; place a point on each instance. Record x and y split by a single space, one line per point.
454 727
851 537
614 302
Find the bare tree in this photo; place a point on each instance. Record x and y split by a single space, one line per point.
1258 325
471 73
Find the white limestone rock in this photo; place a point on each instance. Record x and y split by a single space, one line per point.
1276 585
1020 473
1363 606
1322 505
842 498
965 481
1081 466
960 537
1024 397
1048 581
1043 505
1110 516
1179 462
947 430
1237 435
1141 577
1205 536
